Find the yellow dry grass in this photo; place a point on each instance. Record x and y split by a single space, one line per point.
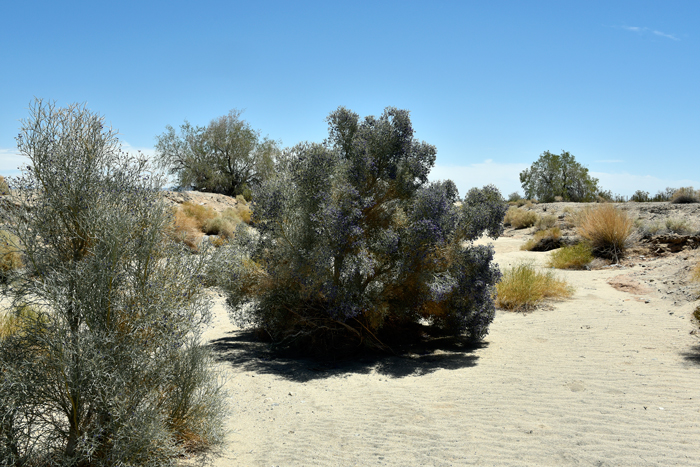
606 228
522 288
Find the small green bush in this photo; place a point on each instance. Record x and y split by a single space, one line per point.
571 257
607 229
520 218
522 288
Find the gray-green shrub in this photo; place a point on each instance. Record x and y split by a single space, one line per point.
109 370
356 246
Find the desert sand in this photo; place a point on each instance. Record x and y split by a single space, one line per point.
610 377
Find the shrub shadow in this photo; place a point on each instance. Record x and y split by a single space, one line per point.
693 355
242 349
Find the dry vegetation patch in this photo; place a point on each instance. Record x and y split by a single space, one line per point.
607 229
522 288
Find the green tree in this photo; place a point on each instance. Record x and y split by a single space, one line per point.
108 368
558 175
226 157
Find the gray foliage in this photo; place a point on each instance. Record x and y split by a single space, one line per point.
355 244
109 371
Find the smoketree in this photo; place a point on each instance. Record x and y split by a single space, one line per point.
107 369
356 245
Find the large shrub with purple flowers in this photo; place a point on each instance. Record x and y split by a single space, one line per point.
356 245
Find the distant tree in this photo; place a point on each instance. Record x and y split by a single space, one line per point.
558 175
356 246
226 157
640 196
107 368
515 196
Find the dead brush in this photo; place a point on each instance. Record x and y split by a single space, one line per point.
551 236
186 229
607 229
520 218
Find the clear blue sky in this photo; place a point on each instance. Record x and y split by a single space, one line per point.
491 84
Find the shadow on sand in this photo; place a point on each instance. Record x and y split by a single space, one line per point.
243 350
693 355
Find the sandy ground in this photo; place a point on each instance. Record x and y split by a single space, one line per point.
607 378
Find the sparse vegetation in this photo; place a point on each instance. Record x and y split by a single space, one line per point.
520 218
522 288
192 221
544 240
607 229
545 222
571 257
686 195
678 226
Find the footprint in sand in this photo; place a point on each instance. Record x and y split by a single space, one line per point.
576 386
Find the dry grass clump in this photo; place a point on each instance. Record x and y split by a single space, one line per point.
186 229
571 257
545 222
607 229
10 257
678 226
221 225
550 236
192 221
522 288
520 218
198 212
685 195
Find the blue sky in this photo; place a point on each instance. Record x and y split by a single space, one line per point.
491 84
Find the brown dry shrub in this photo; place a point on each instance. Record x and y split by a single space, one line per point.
222 226
187 229
198 212
607 229
545 222
520 218
550 235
